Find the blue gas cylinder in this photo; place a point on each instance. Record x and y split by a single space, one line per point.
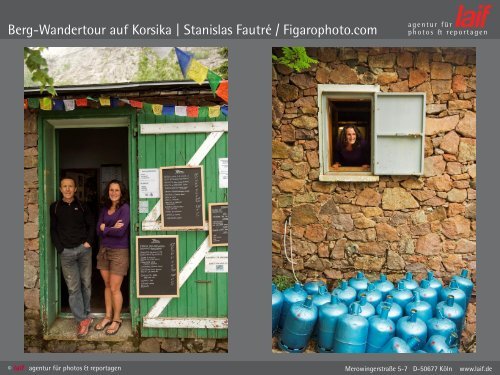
428 294
345 293
440 325
367 308
320 299
359 283
373 295
454 312
299 325
401 295
277 305
380 330
434 283
412 326
351 332
395 311
327 321
398 345
442 344
455 291
410 284
423 308
312 287
384 285
291 296
465 283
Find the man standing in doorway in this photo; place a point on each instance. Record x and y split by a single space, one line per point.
72 229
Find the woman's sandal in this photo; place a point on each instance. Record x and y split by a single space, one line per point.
111 332
102 326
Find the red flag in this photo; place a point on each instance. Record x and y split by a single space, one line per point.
25 103
192 111
222 90
136 104
82 102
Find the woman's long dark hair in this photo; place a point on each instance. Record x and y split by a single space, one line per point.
106 202
343 136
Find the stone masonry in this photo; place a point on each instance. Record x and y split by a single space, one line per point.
401 223
33 336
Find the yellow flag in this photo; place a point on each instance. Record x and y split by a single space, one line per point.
157 109
197 72
104 101
214 111
46 104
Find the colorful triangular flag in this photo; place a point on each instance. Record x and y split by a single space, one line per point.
197 72
213 80
222 91
184 59
225 110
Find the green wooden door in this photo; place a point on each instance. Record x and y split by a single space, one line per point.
47 177
203 295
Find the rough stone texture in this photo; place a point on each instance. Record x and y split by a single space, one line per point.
398 199
435 126
430 244
467 125
368 197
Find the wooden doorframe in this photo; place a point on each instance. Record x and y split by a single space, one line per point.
48 182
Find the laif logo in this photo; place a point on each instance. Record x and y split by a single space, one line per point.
472 18
17 368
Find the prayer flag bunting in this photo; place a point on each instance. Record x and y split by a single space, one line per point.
203 112
184 59
46 104
92 99
136 104
104 101
214 111
213 80
197 72
58 105
33 103
69 104
157 109
148 108
82 102
126 101
115 102
222 90
224 110
180 110
168 110
192 111
25 103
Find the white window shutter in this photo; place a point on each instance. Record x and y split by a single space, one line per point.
399 133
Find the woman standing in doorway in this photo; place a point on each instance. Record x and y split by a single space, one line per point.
113 257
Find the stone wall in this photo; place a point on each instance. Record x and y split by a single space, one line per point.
32 320
400 223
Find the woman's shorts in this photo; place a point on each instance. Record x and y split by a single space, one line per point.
115 261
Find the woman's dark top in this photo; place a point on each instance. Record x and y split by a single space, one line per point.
356 158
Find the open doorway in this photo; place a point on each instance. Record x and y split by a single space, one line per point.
93 156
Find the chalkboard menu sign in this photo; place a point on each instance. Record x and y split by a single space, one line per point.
182 202
157 266
218 224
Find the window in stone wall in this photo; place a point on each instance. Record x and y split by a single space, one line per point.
364 133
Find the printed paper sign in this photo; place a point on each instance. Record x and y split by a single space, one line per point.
216 262
143 207
149 183
223 173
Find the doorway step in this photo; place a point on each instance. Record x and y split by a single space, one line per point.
65 329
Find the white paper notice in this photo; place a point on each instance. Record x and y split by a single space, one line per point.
149 183
223 173
143 207
216 262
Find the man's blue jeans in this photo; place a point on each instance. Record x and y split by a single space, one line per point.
76 265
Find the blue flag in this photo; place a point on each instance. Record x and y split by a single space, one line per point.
58 105
224 110
168 110
184 59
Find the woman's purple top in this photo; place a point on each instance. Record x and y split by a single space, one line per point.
355 158
112 237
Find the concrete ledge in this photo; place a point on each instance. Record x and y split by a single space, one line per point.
65 329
